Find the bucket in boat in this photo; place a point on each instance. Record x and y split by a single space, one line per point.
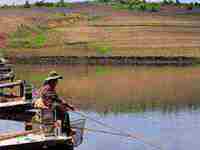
79 126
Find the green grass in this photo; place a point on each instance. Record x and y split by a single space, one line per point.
119 6
101 48
27 37
100 70
39 40
37 78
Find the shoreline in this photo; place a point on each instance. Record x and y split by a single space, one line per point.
107 60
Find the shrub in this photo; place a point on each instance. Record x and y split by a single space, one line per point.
168 2
190 6
27 37
27 5
121 6
104 1
142 7
102 49
196 4
39 3
5 6
44 4
39 40
154 7
61 4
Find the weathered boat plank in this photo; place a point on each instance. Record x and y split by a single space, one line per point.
16 106
12 84
33 142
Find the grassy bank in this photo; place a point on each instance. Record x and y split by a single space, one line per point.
98 30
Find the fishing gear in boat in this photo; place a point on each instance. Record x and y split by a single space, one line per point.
15 96
6 71
46 133
119 131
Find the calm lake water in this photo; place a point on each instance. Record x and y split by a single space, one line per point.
158 104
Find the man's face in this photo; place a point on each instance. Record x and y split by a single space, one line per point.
53 83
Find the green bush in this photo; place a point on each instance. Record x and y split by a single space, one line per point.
29 42
44 4
190 6
143 7
27 5
104 1
168 2
153 7
5 6
61 3
120 6
27 37
138 5
39 40
196 4
101 48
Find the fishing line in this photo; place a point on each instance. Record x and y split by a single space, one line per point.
121 132
107 132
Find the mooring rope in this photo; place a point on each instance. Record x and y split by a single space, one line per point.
121 132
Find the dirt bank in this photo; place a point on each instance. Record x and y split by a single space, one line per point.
103 31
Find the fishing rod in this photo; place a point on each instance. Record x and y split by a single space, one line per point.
100 131
121 132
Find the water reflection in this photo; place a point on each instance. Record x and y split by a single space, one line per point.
171 131
107 89
10 126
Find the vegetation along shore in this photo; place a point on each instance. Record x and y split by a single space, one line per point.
101 29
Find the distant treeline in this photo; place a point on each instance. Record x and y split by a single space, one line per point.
141 5
41 3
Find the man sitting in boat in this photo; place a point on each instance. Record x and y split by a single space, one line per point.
51 100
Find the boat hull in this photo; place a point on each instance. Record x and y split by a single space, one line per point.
15 107
47 145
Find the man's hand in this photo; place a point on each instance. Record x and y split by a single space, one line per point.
69 107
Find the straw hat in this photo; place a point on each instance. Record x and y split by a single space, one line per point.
53 75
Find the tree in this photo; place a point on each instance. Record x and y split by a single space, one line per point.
62 3
27 5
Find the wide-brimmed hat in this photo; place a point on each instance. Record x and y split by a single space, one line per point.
53 75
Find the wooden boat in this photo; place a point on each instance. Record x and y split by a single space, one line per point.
14 97
6 72
43 135
37 141
19 116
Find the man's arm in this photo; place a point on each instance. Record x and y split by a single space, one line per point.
70 106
